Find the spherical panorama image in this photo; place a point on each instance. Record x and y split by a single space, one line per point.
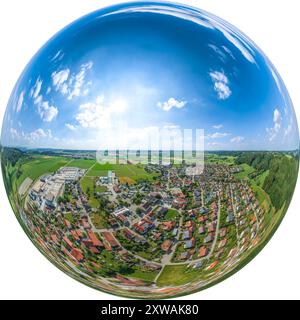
149 150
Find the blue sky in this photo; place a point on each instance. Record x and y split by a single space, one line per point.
125 71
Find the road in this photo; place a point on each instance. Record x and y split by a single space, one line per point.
213 244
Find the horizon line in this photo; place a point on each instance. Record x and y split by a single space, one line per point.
147 150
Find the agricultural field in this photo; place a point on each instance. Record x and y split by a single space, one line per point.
217 159
136 228
98 170
82 163
37 166
133 172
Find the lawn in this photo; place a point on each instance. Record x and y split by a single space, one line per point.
89 183
148 276
99 220
177 275
69 216
171 214
101 189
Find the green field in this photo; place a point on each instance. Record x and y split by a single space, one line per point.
177 275
69 216
264 200
217 159
260 179
40 165
88 183
99 219
171 214
99 170
147 276
131 171
82 163
244 174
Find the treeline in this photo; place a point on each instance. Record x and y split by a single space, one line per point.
258 160
10 156
282 177
281 180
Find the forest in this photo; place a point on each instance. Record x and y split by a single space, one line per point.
282 177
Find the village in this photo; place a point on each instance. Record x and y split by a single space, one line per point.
200 223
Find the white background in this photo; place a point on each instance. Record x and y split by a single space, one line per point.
26 25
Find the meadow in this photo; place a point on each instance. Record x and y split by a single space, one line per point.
134 172
88 186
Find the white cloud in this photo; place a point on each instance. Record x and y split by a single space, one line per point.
221 55
59 78
25 138
35 90
218 126
36 135
98 115
47 112
288 130
58 56
222 52
277 79
237 139
214 144
14 133
218 76
70 126
229 52
20 101
277 116
235 39
218 135
221 84
77 81
245 50
191 15
72 85
273 132
171 103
